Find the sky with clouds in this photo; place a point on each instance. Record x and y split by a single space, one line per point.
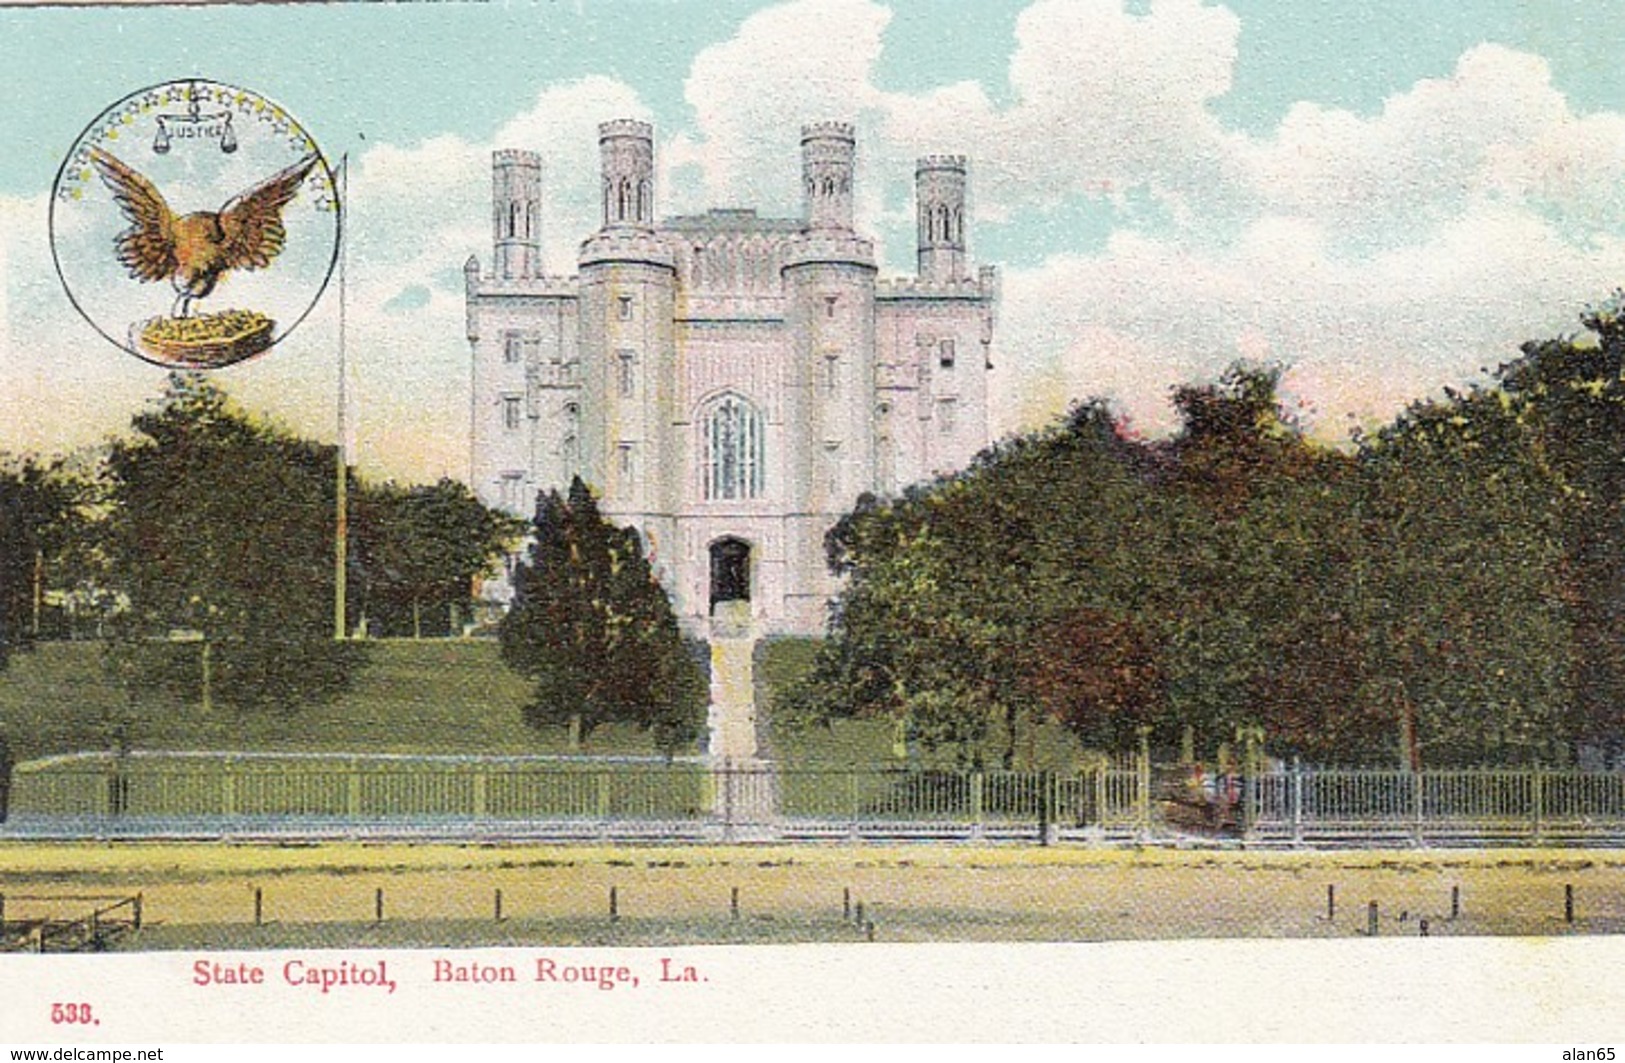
1386 197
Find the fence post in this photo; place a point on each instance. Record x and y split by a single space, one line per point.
480 772
1297 802
854 802
1537 802
727 799
603 795
1416 806
228 787
352 795
1143 783
1044 807
977 802
1100 770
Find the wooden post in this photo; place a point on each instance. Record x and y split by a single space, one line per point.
378 905
497 904
733 903
846 903
614 905
1331 902
977 799
1100 794
1568 902
1422 927
1455 902
2 915
136 920
869 931
259 906
857 913
1371 920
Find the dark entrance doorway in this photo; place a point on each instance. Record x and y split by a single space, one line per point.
730 571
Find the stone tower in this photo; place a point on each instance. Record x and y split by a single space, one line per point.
516 213
827 150
939 193
627 312
829 314
626 147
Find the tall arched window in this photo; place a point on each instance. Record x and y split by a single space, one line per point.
735 459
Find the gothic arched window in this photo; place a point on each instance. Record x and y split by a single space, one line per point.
735 458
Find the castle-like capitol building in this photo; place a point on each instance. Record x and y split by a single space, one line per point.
728 383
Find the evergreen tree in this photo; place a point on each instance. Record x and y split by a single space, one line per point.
593 628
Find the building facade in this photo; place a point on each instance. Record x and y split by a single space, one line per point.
728 383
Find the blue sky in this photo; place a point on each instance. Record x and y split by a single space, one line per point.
1386 196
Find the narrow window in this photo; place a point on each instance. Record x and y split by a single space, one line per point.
513 347
832 374
945 353
510 412
624 307
829 306
511 490
626 373
625 463
735 457
571 453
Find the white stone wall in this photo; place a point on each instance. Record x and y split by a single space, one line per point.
851 376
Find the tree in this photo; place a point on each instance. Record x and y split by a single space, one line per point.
221 533
42 527
593 628
1568 396
419 550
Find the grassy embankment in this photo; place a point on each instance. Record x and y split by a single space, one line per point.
433 696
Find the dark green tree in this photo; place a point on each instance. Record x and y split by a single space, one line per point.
419 550
220 537
1460 602
43 536
595 631
1568 394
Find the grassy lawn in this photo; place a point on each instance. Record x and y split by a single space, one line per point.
781 662
433 696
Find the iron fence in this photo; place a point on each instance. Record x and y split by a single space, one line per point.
685 798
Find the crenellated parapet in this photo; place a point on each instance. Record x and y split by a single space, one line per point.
638 246
829 247
983 287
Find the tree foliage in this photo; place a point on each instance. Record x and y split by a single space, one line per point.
220 530
418 550
595 631
1443 592
42 527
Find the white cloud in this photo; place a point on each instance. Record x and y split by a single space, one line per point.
1381 255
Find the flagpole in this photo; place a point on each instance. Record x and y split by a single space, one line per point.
341 538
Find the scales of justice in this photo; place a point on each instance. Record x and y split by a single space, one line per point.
270 240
